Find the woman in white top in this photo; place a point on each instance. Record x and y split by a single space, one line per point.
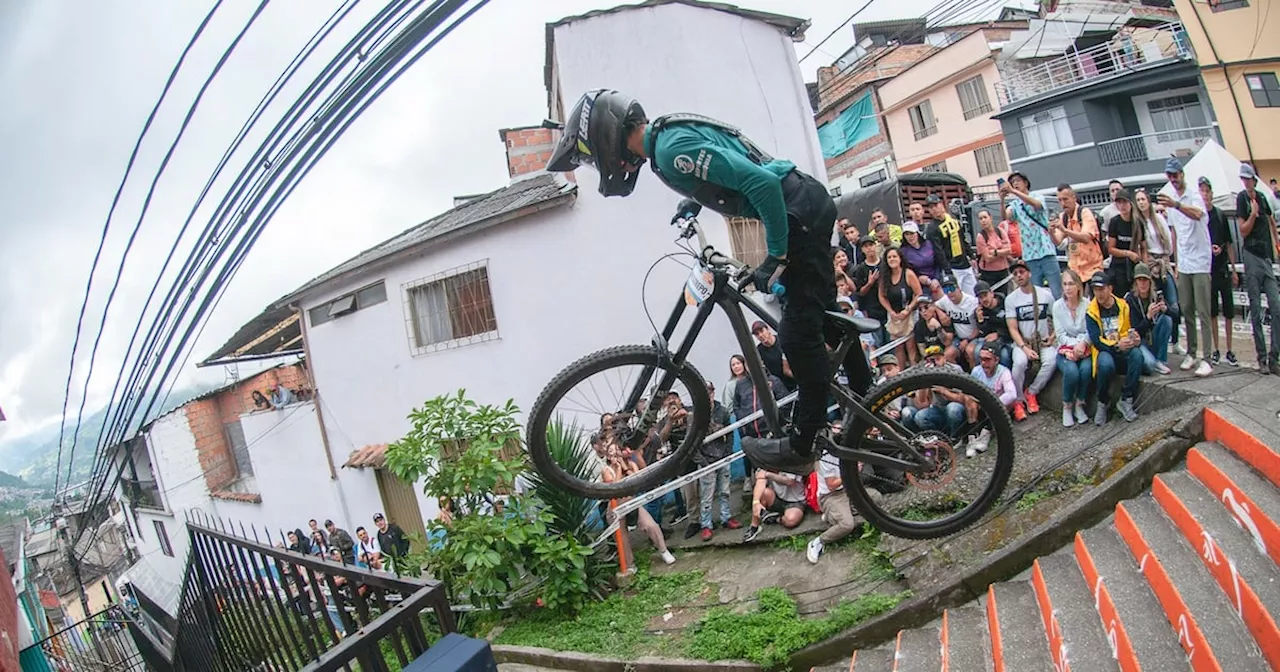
1161 244
1075 359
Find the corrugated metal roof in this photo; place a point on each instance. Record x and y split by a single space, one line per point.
276 332
512 201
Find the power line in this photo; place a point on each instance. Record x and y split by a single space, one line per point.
838 29
146 204
106 226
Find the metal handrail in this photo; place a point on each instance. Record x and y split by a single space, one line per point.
1140 148
1124 52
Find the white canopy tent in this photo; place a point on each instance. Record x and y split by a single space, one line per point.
1223 170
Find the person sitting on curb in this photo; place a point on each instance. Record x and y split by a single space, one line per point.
836 511
777 498
1070 323
1027 310
1116 345
1149 312
998 379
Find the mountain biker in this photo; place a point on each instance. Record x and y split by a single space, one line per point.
719 168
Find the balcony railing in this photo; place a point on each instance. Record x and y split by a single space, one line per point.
1153 146
249 605
1128 50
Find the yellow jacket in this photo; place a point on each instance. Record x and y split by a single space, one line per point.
1107 336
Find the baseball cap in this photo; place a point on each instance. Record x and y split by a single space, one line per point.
982 287
1018 263
758 325
1247 172
991 348
1173 165
1205 181
932 199
846 300
888 358
1122 195
948 281
932 350
1101 279
867 241
377 517
1141 270
910 227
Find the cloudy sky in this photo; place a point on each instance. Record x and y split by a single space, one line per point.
78 80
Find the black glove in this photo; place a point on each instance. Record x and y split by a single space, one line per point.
766 275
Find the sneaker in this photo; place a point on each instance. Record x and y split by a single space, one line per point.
751 533
1163 369
1231 359
1126 407
1264 370
1274 368
680 519
1180 348
1019 412
668 558
1188 362
1033 404
1082 416
979 442
692 530
707 534
733 524
1215 358
770 518
1068 418
1204 369
777 455
813 550
1100 416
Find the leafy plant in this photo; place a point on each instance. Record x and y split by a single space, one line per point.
570 451
459 449
774 630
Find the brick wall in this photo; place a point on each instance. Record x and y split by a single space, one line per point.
207 418
528 149
8 619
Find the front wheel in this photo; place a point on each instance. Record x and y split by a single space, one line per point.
583 424
960 426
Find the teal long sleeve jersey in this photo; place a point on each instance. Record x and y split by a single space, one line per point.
691 156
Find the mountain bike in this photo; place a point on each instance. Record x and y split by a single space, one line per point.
897 449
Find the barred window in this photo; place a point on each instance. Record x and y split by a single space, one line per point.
746 240
450 309
939 167
922 121
991 159
973 97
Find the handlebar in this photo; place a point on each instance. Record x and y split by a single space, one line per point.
687 222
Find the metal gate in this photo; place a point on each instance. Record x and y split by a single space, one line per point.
99 643
401 503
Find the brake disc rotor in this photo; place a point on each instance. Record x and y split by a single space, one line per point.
939 449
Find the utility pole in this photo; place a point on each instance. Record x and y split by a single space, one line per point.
75 564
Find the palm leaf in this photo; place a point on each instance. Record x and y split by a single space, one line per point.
573 453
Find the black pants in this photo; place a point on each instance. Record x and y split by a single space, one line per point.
810 292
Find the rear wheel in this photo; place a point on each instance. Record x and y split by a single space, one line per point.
583 412
962 484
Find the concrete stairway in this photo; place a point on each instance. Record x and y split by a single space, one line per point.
1185 576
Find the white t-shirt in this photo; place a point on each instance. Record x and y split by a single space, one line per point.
963 316
1019 304
1153 238
1195 252
789 493
828 467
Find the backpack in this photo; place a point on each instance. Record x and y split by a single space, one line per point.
720 199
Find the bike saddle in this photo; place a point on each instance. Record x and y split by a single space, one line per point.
852 325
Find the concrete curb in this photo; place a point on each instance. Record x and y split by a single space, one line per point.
585 662
1128 482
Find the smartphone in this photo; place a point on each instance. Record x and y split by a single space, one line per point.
999 181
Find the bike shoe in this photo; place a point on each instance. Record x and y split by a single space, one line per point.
777 455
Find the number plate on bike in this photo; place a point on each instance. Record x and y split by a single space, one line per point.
699 286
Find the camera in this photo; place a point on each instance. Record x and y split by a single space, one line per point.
1159 296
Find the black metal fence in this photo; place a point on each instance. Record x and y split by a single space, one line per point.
99 643
247 604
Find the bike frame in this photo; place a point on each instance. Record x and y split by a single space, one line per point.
730 299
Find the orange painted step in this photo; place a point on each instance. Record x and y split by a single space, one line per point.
1229 555
1076 638
1117 636
1243 436
1248 497
1018 642
1206 626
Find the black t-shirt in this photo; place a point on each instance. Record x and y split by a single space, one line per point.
1258 242
772 357
1123 233
947 237
869 303
992 320
1220 235
925 336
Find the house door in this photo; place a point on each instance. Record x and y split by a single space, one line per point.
401 503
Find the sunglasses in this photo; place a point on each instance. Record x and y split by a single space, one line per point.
948 288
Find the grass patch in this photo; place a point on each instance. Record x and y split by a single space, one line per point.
615 626
774 630
795 542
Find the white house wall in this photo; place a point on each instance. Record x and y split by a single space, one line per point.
567 282
172 450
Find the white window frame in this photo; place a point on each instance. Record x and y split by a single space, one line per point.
996 165
1057 123
923 123
938 167
409 290
977 89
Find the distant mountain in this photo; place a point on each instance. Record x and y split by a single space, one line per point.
8 480
36 461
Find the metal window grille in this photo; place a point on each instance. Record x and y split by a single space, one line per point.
922 121
450 309
991 159
746 239
973 97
